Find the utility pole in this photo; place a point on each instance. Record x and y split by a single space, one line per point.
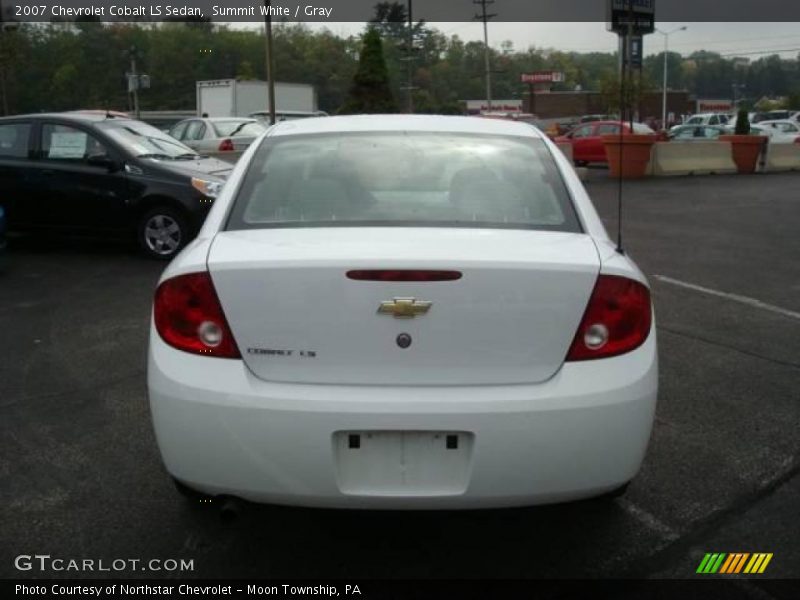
666 35
410 59
133 81
270 63
484 16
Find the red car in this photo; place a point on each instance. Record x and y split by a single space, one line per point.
587 140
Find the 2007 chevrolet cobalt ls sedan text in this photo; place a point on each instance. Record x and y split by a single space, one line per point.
403 312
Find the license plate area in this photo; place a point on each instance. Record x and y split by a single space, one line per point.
403 463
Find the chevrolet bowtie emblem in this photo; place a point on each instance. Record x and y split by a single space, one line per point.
404 308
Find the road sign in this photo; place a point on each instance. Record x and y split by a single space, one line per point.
640 13
635 51
139 81
542 77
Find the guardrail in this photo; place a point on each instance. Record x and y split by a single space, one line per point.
782 157
692 158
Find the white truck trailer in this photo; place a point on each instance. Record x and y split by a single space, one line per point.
232 98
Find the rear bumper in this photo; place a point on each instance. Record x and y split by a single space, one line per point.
221 430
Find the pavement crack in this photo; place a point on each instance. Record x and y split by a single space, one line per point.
706 340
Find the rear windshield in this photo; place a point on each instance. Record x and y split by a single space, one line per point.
401 178
239 128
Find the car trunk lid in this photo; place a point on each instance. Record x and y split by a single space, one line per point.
298 317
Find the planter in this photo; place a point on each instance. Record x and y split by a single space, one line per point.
635 154
746 150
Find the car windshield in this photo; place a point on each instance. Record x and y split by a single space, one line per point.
144 140
237 127
435 179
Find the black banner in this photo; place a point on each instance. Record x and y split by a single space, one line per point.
363 10
701 588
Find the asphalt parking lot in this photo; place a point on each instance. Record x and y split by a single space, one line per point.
80 474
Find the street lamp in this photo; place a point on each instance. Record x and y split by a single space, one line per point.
666 35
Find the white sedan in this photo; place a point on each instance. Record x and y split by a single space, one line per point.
403 312
782 131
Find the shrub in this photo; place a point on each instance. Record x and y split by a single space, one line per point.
742 123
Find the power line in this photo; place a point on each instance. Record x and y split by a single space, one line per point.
763 51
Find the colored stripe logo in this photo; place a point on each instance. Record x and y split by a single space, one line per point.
735 562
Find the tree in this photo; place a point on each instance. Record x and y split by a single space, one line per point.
633 89
370 92
793 100
245 71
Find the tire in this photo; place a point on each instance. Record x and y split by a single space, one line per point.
162 232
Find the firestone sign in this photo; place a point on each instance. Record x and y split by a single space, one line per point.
706 105
542 77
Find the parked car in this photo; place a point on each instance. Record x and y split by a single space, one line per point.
225 138
587 139
403 311
704 119
695 133
772 115
784 131
591 118
89 173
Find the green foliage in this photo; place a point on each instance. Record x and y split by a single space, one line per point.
245 71
370 92
62 66
793 100
742 123
630 95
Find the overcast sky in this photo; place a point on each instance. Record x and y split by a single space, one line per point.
751 39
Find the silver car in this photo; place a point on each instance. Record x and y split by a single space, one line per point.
225 138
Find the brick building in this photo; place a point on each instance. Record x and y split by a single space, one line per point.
554 105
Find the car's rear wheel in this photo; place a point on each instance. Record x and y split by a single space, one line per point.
163 232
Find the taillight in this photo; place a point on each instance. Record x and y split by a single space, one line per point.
226 146
617 319
403 275
797 140
189 317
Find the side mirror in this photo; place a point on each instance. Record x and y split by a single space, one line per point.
102 160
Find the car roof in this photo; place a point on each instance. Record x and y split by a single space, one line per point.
771 121
420 123
82 117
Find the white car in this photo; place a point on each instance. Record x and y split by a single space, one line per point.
704 119
403 312
782 131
